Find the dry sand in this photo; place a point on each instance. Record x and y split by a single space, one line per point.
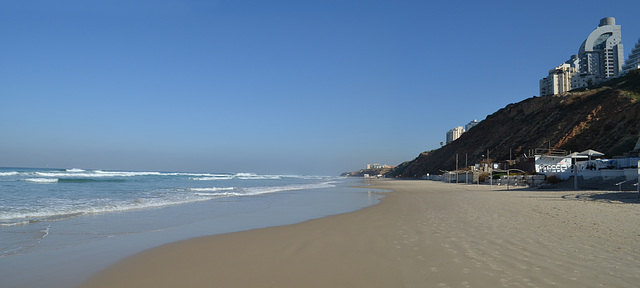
426 234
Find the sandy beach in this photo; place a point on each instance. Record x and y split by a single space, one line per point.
425 234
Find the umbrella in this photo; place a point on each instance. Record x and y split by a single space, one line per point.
591 153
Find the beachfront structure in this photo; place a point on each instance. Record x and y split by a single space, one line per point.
471 124
601 55
454 134
561 167
634 59
558 81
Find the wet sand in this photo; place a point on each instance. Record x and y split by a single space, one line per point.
425 234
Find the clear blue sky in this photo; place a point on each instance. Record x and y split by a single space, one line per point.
305 87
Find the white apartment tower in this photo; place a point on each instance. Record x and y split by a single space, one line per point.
601 55
634 59
454 134
558 81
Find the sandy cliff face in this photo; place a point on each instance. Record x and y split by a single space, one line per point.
605 118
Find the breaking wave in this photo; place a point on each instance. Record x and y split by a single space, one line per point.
42 180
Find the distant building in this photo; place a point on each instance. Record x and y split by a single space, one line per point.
374 166
379 166
601 55
634 59
600 58
471 124
558 81
454 134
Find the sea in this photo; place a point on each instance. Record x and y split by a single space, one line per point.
59 226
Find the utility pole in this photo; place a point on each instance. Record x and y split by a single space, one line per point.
456 168
490 169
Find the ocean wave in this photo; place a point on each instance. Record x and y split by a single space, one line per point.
220 194
100 173
252 176
92 174
212 178
87 180
56 202
241 176
70 210
253 191
17 223
273 189
11 173
42 180
211 189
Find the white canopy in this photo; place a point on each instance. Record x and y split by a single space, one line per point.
577 155
591 153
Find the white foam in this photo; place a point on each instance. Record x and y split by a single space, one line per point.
75 172
273 189
70 210
213 189
42 180
245 174
24 222
126 174
252 176
220 194
12 173
58 208
212 178
97 173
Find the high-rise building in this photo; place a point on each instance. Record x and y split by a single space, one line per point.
600 58
634 59
559 80
454 134
471 124
601 55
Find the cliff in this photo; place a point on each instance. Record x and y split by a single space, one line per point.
605 118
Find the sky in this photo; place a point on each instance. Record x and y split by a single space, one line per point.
274 87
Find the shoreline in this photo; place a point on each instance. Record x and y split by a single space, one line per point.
424 234
76 248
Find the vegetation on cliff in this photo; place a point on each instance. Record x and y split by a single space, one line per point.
604 118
